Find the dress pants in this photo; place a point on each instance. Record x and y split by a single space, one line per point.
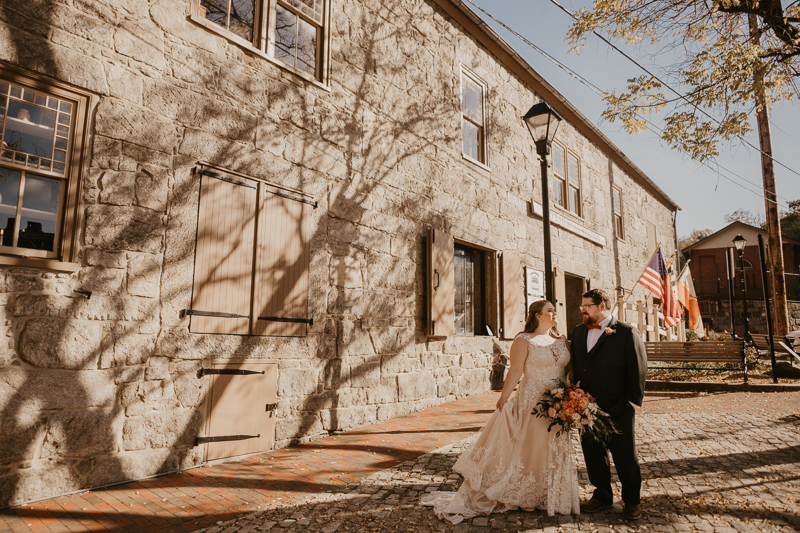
623 449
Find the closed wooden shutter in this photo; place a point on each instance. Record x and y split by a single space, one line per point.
280 306
560 289
512 295
240 405
223 270
441 316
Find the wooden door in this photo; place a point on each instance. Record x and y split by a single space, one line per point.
441 312
513 321
239 406
560 304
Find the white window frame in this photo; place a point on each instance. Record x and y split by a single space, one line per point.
263 44
567 184
465 72
619 228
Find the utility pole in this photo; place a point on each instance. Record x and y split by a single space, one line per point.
770 195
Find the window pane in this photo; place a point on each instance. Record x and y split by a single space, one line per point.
558 160
39 212
9 195
306 47
285 31
573 170
616 200
469 300
459 282
29 129
471 137
216 11
472 100
573 200
310 8
558 192
242 16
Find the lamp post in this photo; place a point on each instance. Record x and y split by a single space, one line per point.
542 122
740 242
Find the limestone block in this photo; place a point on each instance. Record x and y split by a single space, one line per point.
124 228
22 432
142 41
82 434
269 137
36 483
297 382
121 120
365 375
189 389
291 428
444 387
390 272
384 393
353 340
346 272
156 373
97 257
144 274
48 343
335 374
123 83
22 389
346 301
96 308
400 363
393 410
117 188
132 465
472 381
203 145
18 282
151 187
101 279
415 386
335 419
161 430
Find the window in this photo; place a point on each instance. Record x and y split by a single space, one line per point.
559 176
617 205
573 185
291 31
41 156
469 291
252 257
472 118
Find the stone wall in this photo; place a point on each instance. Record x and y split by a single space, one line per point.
98 390
756 314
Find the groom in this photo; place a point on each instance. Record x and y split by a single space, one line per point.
610 361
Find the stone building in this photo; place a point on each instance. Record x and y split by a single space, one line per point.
233 224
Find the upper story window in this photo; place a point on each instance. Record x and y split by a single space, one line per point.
619 224
291 31
41 145
566 180
473 126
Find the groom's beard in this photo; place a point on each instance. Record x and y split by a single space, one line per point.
589 321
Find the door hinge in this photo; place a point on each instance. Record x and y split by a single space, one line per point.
221 177
223 438
215 314
272 407
228 371
287 319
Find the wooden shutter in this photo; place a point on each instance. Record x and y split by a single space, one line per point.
280 307
241 405
652 238
560 288
512 295
223 269
441 315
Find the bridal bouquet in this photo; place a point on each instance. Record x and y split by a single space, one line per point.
568 406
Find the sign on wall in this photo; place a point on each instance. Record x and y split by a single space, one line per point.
534 286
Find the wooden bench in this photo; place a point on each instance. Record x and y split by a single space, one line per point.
782 346
697 352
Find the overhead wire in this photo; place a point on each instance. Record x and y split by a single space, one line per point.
650 125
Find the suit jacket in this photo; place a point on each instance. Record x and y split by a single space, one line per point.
614 371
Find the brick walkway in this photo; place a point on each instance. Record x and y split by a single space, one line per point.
725 463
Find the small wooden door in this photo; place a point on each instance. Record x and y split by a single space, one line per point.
240 405
441 284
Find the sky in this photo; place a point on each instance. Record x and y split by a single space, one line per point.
704 195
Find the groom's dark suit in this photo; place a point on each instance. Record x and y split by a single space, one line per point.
614 373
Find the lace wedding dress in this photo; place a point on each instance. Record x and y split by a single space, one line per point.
514 460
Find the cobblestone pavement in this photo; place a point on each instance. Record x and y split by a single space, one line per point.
711 463
721 462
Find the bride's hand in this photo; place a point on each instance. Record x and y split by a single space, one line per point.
500 403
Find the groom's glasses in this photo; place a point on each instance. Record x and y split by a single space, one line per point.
584 307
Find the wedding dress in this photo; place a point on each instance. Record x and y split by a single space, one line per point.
514 460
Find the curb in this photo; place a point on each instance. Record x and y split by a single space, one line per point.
700 386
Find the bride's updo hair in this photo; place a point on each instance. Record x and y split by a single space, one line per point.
533 322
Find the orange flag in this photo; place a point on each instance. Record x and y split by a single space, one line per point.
688 297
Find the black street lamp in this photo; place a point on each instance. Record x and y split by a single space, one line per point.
542 122
740 242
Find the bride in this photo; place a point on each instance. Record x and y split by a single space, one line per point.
514 460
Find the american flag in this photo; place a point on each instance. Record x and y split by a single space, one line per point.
656 278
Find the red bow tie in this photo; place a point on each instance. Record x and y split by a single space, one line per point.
594 326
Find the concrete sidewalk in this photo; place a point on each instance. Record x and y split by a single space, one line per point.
721 462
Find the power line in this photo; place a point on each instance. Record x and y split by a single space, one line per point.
650 126
668 86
